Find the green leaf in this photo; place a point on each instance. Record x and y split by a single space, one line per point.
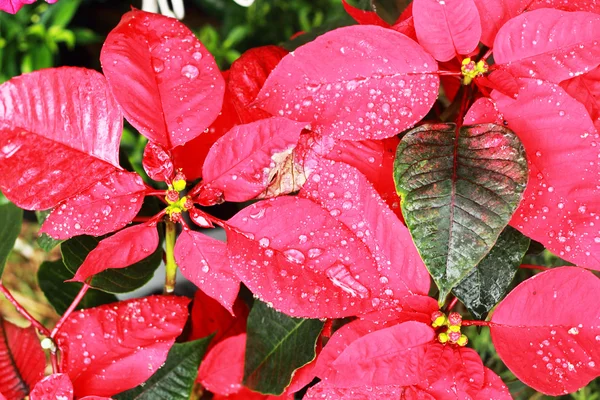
11 218
51 278
45 241
277 345
487 284
75 250
459 189
389 10
175 379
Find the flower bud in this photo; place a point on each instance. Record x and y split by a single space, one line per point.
454 328
172 196
454 318
439 319
454 336
443 337
462 341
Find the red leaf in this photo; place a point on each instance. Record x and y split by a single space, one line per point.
191 155
522 48
364 17
241 162
203 260
502 81
546 335
167 83
108 205
60 132
113 348
13 6
247 394
493 387
354 83
323 392
222 370
120 250
483 111
209 317
559 138
53 387
247 76
22 360
586 89
447 28
157 163
407 26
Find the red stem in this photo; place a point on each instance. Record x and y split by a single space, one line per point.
487 54
41 328
142 219
157 216
160 193
448 73
452 303
536 267
70 310
477 323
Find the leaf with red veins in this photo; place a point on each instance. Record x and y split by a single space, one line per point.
222 371
240 163
13 6
190 156
109 349
200 218
59 132
203 261
522 46
354 83
105 207
500 80
22 360
375 160
493 387
586 89
209 317
561 143
364 17
346 194
157 163
447 28
547 336
53 387
165 80
483 111
247 76
406 27
120 250
323 392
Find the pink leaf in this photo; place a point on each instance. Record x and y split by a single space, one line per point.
157 163
108 205
13 6
239 164
346 194
167 83
120 250
354 83
113 348
53 387
547 336
209 317
502 81
406 27
586 89
522 48
222 370
203 260
483 111
60 132
364 17
493 387
560 140
447 28
247 77
22 360
323 392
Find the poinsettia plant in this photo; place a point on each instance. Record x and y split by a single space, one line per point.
366 163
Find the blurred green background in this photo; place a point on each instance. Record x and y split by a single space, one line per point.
71 32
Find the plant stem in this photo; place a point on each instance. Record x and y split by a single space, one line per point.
171 265
536 267
38 325
452 304
70 310
477 323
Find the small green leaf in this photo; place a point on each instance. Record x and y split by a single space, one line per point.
487 284
75 250
277 345
389 10
45 241
459 189
175 379
11 218
51 278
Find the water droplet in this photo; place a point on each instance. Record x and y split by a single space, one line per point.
189 71
341 277
77 226
106 210
158 65
264 242
314 252
294 255
87 361
574 331
205 269
197 56
347 205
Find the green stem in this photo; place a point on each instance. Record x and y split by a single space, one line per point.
171 265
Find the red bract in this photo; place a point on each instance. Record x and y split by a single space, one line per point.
222 370
167 83
354 83
22 360
553 343
109 349
57 386
208 317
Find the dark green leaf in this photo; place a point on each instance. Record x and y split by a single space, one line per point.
487 284
123 280
389 10
459 189
51 278
298 41
45 241
11 218
175 379
277 345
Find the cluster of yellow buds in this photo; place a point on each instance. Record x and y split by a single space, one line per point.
452 323
471 69
177 205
